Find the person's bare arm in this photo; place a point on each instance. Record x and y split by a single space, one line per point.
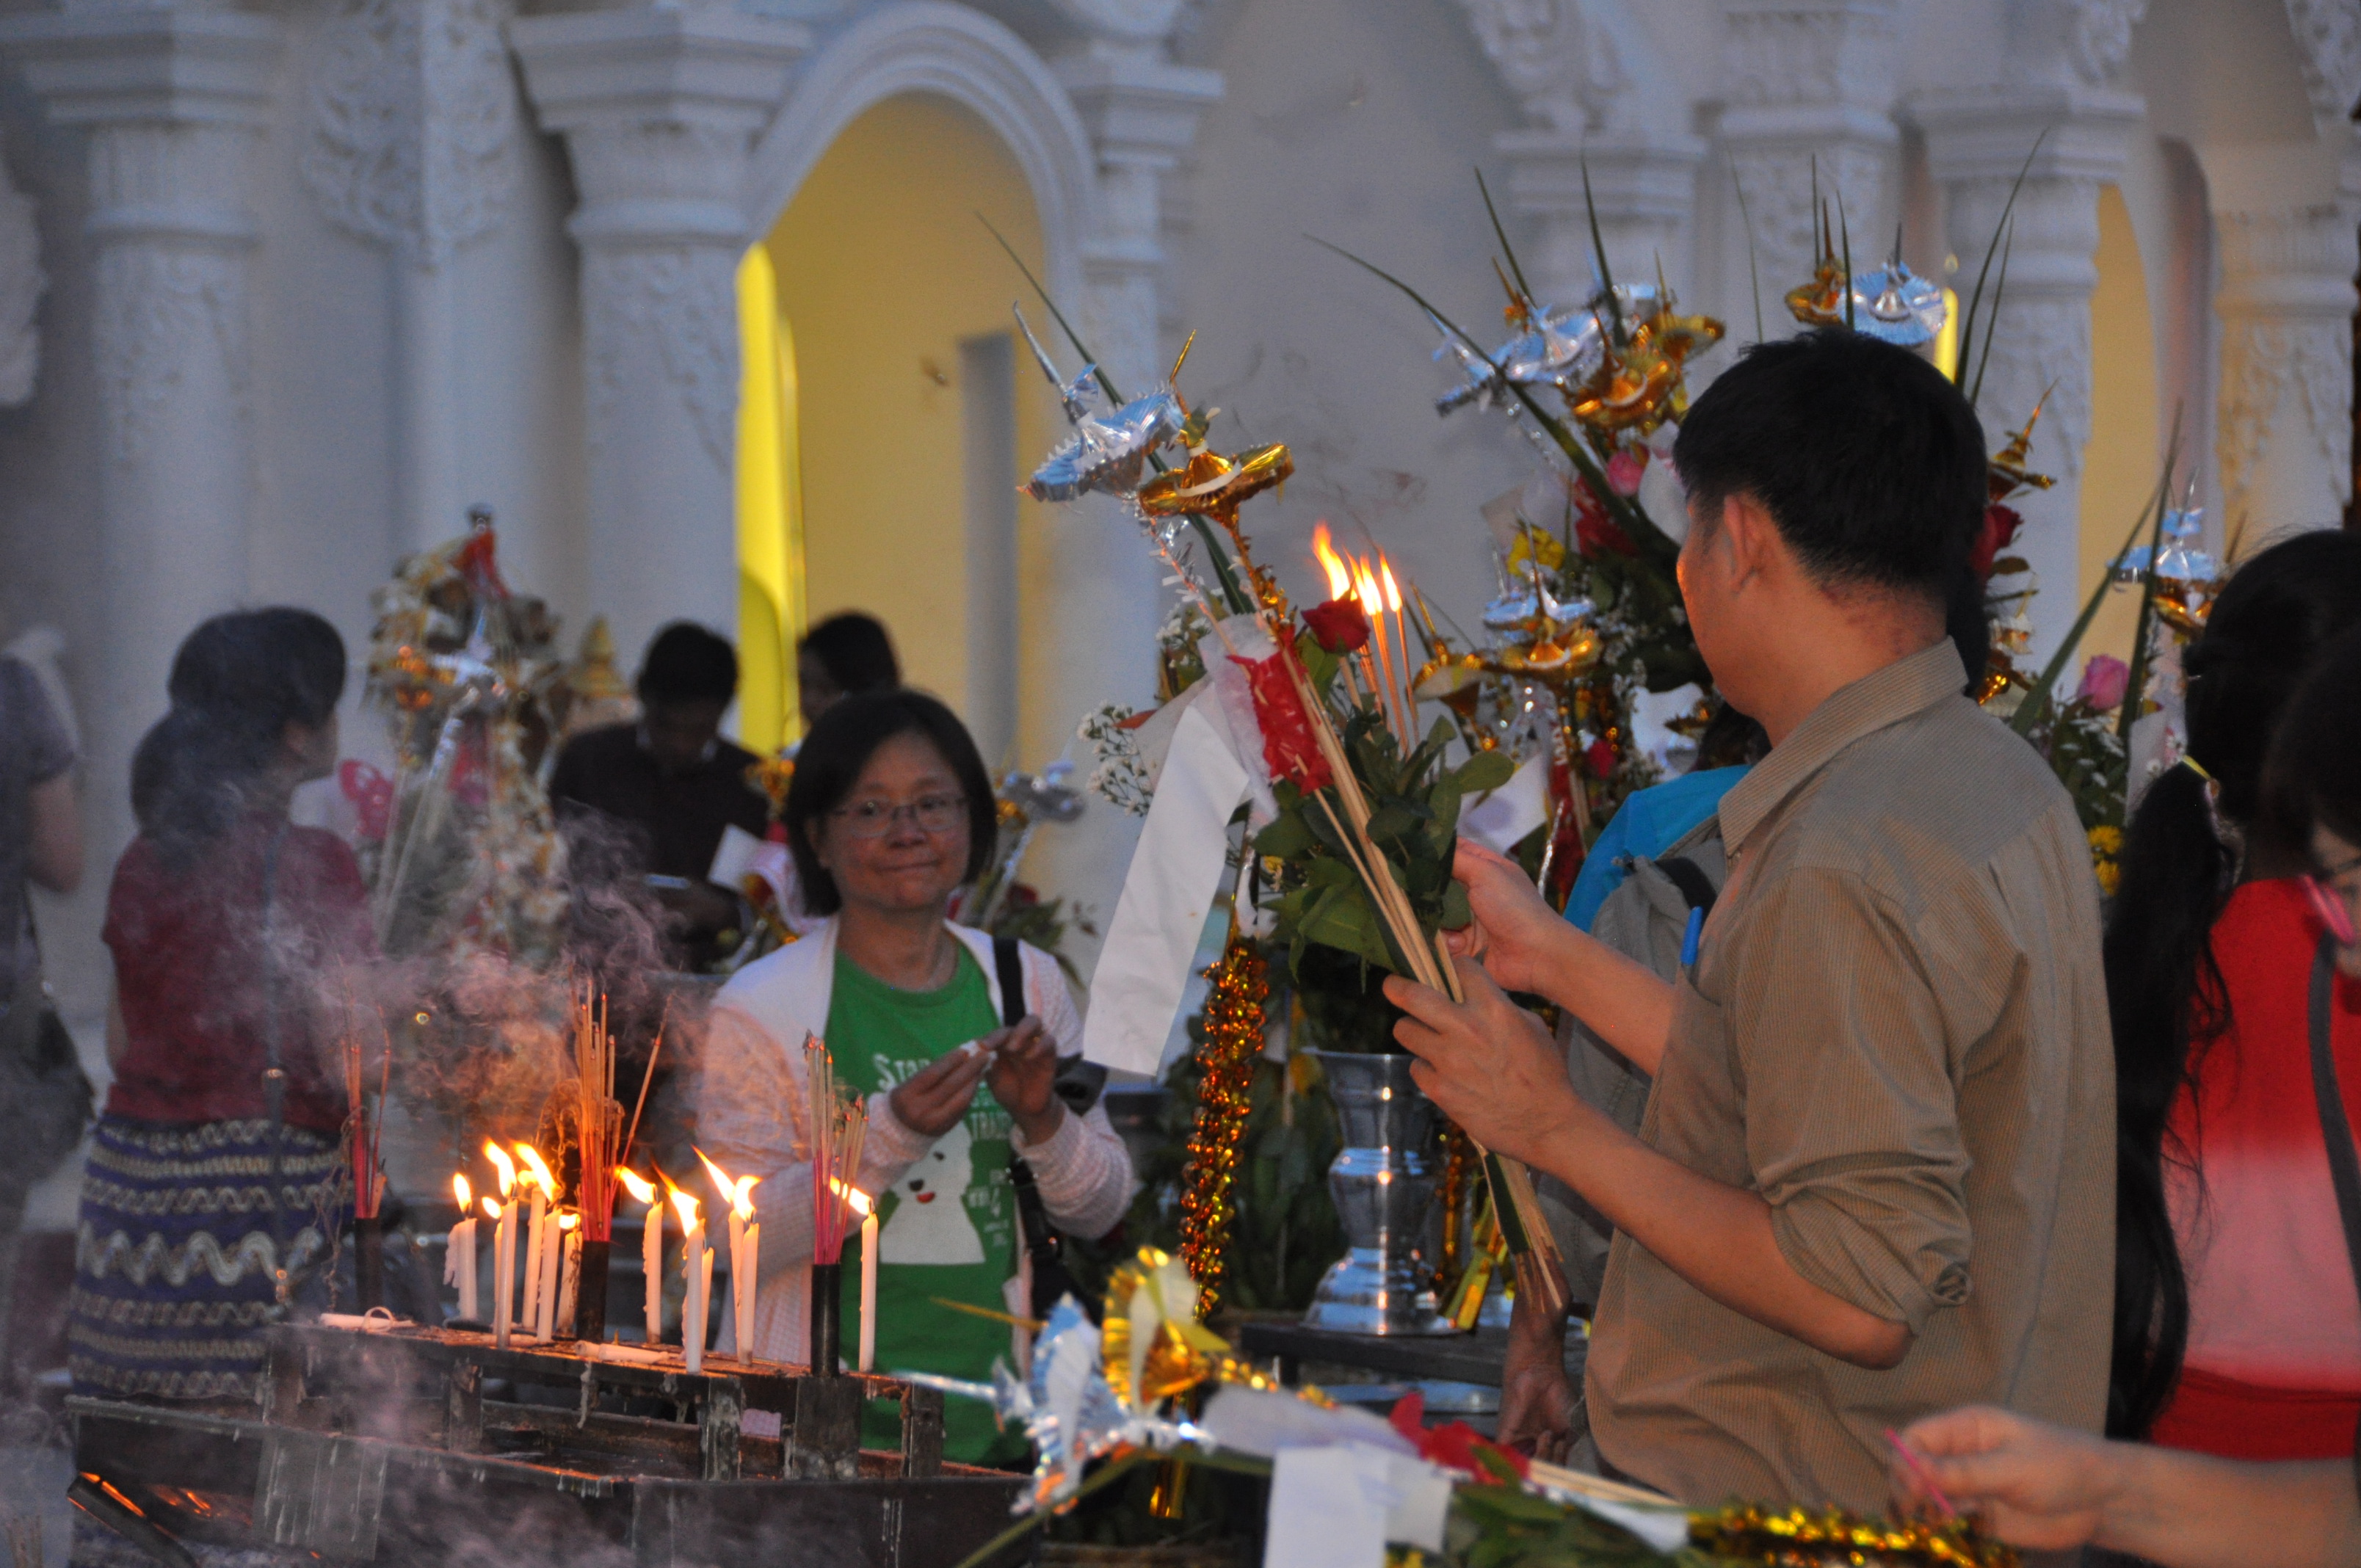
1537 1399
1528 947
56 849
2043 1487
1496 1072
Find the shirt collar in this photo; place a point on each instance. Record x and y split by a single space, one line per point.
1883 697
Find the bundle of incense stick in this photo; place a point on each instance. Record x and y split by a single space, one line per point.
368 1142
1431 965
838 1123
602 1133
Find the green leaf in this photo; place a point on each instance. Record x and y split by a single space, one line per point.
1286 837
1486 771
1342 919
1391 821
1455 913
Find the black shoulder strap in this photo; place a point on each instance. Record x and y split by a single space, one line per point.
1693 884
1010 966
2335 1127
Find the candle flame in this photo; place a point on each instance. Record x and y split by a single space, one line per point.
687 1207
1366 590
465 1194
502 1164
567 1220
638 1186
1386 575
491 1210
855 1198
1340 580
531 1156
734 1191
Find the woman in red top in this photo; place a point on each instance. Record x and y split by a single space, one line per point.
2238 1324
213 1186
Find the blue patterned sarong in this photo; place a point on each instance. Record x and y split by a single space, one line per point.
176 1267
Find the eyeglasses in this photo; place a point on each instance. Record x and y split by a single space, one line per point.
875 819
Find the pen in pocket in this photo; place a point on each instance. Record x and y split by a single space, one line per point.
1689 940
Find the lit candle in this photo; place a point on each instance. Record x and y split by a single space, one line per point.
745 1252
540 1280
568 1236
860 1200
1401 643
459 1256
697 1271
1373 605
651 1247
504 1221
552 1266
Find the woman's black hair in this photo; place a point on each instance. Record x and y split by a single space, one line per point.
2164 990
2313 776
830 761
856 652
237 682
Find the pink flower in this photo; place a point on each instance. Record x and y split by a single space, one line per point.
2103 680
1623 470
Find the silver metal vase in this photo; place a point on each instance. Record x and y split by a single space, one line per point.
1383 1182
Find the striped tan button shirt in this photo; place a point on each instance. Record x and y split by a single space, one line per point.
1896 1033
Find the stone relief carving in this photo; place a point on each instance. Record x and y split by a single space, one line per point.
1839 51
2328 38
414 135
1779 183
684 298
2272 369
2099 39
22 283
1564 68
157 312
2041 346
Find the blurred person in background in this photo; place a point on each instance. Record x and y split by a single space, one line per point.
213 1185
844 657
44 1098
2237 1319
890 812
670 788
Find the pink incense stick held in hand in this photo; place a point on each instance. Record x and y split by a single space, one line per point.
838 1120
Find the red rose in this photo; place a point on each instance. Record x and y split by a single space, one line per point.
1998 532
1594 532
1339 626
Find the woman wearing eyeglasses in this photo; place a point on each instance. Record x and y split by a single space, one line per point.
890 812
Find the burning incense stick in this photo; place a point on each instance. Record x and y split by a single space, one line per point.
838 1120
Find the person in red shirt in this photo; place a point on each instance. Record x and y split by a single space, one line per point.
213 1188
2238 1321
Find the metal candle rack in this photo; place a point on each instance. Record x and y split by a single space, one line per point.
373 1445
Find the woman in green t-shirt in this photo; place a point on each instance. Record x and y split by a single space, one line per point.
889 813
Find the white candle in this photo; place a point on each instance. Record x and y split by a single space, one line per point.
695 1272
553 1252
504 1272
704 1301
536 1244
868 1293
651 1261
570 1276
459 1256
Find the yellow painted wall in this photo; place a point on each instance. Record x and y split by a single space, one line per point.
882 268
2121 464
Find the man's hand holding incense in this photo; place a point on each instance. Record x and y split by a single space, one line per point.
1487 1063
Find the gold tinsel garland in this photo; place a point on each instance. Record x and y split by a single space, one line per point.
1237 987
1803 1538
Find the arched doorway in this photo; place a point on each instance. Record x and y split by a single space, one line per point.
911 408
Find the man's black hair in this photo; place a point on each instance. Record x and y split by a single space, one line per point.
1869 460
830 761
855 652
687 663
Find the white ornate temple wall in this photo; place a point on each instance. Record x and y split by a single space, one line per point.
284 287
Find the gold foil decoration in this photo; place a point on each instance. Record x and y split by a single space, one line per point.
1804 1538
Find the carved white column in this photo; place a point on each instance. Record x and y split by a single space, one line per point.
1809 87
2286 306
174 100
413 143
22 283
659 107
1593 95
1141 114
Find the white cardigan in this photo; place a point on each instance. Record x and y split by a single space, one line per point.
749 1091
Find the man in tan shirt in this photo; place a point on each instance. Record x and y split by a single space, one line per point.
1875 1177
